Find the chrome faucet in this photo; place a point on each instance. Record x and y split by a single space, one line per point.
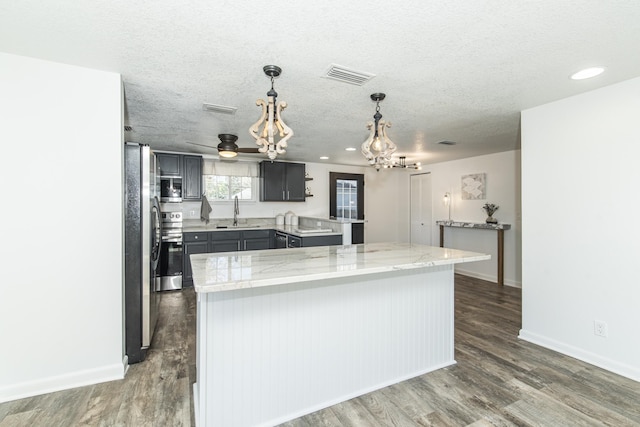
236 211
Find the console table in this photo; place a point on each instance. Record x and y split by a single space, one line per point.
482 226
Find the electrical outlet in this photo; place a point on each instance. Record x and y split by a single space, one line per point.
600 328
192 214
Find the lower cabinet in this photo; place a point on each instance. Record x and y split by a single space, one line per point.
357 233
253 240
240 240
225 241
222 241
321 240
308 241
188 248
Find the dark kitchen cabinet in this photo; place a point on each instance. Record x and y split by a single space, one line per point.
191 247
357 232
170 164
241 240
309 241
189 168
253 240
225 241
282 182
295 182
205 242
321 240
191 178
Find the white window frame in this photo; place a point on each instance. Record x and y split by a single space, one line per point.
254 191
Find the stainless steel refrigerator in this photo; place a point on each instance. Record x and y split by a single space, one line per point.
142 248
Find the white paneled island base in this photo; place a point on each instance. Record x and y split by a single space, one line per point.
282 333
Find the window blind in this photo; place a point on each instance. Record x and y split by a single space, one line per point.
230 168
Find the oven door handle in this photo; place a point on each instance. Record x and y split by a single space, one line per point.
176 240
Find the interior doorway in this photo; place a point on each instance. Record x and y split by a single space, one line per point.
421 216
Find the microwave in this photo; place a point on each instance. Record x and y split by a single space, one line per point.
171 189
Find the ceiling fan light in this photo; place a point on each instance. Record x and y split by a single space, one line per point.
227 147
227 154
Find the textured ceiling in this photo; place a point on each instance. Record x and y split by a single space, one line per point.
452 70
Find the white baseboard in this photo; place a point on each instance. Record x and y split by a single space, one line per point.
580 354
63 382
487 277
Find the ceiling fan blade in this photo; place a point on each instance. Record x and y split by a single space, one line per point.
202 145
247 150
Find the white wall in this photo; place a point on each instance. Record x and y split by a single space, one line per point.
61 295
580 179
503 189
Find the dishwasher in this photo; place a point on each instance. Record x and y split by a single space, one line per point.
281 240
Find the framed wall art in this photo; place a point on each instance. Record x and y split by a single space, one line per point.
474 186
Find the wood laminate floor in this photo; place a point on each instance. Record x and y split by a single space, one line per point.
498 381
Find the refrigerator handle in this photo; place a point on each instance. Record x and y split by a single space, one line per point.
156 232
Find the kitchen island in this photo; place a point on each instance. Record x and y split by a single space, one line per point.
284 333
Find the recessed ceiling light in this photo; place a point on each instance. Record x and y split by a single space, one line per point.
350 149
324 158
587 73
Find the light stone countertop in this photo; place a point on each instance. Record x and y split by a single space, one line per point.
218 272
483 225
197 226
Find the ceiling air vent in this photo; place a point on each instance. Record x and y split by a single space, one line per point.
223 109
347 75
446 143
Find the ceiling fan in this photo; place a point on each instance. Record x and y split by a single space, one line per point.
228 147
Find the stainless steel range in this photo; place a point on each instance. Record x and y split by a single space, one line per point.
170 266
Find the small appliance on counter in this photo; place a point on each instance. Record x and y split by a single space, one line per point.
288 217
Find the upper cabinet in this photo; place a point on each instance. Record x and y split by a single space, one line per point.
189 168
192 178
170 164
282 182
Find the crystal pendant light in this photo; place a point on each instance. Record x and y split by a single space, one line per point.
378 148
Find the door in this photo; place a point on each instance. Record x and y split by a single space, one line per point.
191 248
192 178
420 209
295 182
346 195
